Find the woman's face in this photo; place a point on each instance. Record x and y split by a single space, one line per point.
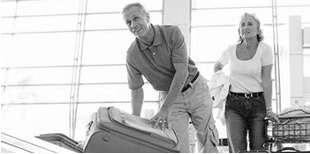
248 28
137 22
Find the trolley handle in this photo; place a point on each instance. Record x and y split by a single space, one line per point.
294 116
288 149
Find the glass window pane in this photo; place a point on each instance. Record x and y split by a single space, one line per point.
117 5
106 47
228 16
113 92
294 2
47 7
38 49
114 21
43 36
36 94
35 119
206 69
3 78
46 24
203 44
229 3
104 21
104 74
8 8
306 62
7 25
156 18
149 93
39 75
285 12
268 34
283 34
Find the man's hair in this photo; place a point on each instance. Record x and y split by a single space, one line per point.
138 5
260 36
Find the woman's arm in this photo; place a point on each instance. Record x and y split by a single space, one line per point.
218 66
267 84
267 88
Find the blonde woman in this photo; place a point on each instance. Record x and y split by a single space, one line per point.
250 95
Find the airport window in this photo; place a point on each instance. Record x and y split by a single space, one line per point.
65 57
68 57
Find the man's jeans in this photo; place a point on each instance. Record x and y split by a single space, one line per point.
245 115
194 103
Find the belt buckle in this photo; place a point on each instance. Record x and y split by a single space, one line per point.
248 95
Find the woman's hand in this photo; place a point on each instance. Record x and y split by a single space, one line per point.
273 116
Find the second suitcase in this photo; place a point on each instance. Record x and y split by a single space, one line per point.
113 130
62 141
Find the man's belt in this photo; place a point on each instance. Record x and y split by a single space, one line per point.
191 82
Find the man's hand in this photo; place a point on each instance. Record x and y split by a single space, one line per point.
161 119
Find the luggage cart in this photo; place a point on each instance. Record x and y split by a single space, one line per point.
292 134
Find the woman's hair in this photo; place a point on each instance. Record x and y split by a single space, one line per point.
139 5
260 36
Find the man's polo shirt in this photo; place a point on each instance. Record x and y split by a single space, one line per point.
155 62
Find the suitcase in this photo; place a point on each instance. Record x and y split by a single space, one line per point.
15 141
62 141
115 131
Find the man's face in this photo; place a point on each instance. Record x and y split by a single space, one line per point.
137 21
248 27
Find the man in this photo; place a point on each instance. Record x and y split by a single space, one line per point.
159 54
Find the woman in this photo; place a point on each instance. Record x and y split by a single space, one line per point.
250 95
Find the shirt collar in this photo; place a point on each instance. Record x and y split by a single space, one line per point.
157 38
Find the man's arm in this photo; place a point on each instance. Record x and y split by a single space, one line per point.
162 117
179 58
137 101
177 84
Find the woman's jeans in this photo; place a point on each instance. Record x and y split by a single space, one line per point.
245 115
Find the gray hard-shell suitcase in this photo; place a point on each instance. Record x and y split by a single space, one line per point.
113 130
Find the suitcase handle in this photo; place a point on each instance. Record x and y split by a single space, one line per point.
123 118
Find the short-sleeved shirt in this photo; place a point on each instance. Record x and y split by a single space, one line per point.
155 62
245 75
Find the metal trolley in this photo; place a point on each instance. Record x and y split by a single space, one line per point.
292 134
